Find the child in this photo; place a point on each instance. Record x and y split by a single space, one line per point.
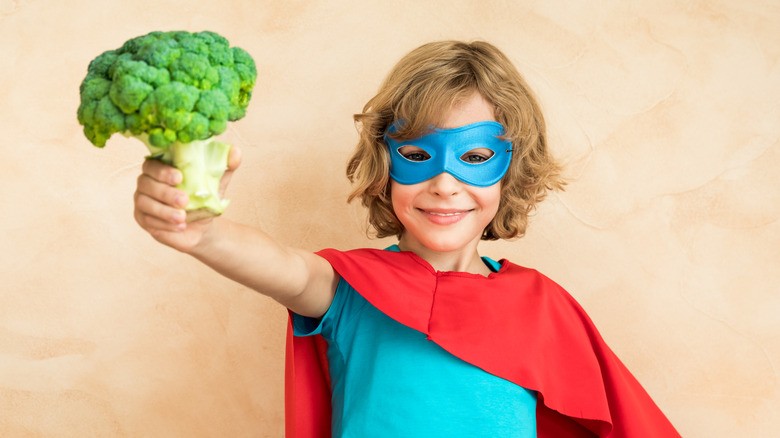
428 338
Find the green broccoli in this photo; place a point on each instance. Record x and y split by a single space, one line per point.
173 91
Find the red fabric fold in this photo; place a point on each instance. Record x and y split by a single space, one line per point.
516 324
307 386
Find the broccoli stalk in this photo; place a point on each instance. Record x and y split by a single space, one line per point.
174 91
202 164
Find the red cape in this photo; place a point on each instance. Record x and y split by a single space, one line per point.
516 324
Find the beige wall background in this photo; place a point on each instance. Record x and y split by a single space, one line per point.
666 113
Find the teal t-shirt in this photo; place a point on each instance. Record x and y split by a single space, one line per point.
388 380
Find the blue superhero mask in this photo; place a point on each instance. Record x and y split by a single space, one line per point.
446 148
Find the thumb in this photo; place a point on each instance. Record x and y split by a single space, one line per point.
234 160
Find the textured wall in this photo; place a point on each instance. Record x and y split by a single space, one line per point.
666 113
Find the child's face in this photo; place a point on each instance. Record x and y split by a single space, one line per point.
443 213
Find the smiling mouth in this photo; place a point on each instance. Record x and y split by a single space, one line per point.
444 211
444 217
445 214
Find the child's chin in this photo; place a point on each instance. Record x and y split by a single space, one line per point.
443 244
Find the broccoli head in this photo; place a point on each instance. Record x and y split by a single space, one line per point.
174 91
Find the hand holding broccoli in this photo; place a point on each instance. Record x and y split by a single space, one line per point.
159 204
173 91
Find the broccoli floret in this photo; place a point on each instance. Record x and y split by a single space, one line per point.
173 91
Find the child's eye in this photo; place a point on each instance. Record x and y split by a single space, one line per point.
478 155
417 156
413 153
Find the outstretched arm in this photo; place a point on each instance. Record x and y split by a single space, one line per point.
299 280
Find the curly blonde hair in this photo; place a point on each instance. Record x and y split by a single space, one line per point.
420 90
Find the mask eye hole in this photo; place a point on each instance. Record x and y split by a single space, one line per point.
476 156
413 153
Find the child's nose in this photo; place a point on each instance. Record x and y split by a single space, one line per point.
444 184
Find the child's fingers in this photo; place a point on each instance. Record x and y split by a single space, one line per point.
152 224
161 192
159 200
162 172
151 213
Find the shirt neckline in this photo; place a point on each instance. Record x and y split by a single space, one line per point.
494 266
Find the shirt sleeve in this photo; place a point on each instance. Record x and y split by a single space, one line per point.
325 326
